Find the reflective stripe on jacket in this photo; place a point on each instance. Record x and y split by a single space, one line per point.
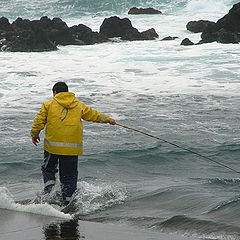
62 117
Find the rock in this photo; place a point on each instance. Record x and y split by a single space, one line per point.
21 24
225 36
149 34
37 35
59 33
83 34
56 30
186 42
27 41
225 30
197 26
231 20
25 36
209 33
5 26
212 34
149 10
168 38
45 34
116 27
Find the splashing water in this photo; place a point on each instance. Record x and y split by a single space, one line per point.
7 202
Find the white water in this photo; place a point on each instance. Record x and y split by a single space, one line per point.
7 202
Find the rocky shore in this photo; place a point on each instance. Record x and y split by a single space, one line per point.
45 34
225 30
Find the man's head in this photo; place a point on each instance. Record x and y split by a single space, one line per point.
60 87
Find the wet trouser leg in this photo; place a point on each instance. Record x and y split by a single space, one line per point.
49 170
68 173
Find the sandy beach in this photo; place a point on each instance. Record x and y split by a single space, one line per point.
26 226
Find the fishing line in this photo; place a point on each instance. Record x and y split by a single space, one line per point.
178 146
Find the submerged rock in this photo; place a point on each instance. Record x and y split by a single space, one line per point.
168 38
149 10
116 27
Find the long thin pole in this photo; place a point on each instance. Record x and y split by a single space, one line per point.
178 146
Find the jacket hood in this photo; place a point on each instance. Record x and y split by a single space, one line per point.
66 99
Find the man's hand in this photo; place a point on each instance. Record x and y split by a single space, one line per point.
35 140
112 121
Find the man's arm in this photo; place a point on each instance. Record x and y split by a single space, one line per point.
92 115
39 124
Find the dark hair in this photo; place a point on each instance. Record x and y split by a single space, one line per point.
60 87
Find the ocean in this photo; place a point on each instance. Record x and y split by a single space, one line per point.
187 95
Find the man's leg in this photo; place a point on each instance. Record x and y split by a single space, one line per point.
68 173
49 169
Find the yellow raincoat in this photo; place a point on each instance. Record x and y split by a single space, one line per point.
62 116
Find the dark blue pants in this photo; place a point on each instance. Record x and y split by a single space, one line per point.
68 173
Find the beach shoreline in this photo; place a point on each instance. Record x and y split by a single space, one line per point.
28 226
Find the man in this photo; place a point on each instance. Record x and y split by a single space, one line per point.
63 137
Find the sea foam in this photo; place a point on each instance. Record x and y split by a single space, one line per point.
7 202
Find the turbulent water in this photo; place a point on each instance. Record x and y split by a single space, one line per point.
186 95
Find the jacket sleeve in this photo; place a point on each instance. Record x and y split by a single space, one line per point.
39 121
89 114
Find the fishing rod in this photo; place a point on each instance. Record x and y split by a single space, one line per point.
178 146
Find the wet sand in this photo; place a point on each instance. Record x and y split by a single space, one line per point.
27 226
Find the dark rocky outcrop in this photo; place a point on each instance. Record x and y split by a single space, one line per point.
83 34
149 34
187 42
56 30
5 26
225 30
37 35
46 34
231 20
209 34
149 10
27 41
25 36
116 27
222 35
197 26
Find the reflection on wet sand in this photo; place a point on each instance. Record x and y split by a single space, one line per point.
64 230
